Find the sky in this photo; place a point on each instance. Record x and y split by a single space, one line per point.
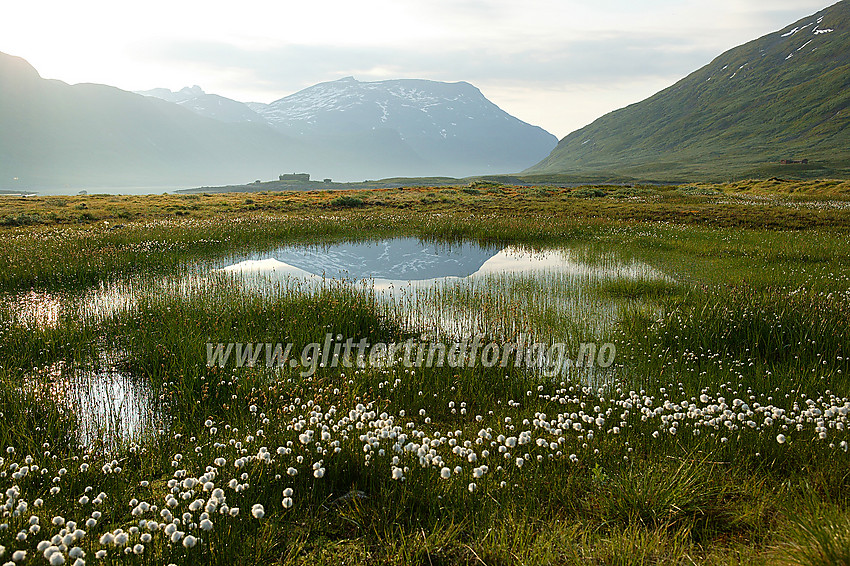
558 64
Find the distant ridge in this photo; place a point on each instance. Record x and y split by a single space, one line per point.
57 135
401 127
54 134
785 96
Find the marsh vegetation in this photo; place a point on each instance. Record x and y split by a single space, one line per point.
719 435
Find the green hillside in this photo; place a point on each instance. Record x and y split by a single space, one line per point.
783 96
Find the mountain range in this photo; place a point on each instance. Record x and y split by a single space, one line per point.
785 96
778 105
55 134
403 127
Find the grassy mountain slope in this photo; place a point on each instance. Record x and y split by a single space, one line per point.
783 96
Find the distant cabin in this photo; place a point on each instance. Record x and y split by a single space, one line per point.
295 177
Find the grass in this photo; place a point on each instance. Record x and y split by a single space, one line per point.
819 540
727 337
556 196
121 236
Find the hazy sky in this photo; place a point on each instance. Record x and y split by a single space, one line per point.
558 64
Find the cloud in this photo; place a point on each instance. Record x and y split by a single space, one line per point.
282 69
555 81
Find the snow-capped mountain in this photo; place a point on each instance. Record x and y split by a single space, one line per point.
451 126
410 106
427 127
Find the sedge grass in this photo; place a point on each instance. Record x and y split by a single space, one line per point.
656 481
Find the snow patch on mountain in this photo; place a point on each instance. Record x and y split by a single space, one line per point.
795 30
816 31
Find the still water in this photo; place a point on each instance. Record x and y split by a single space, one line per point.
451 291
